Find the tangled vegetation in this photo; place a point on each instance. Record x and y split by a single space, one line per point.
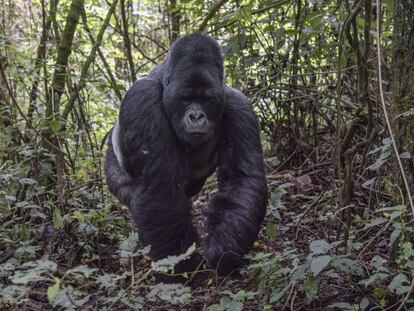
332 83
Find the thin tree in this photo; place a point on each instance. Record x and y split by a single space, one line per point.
403 83
58 84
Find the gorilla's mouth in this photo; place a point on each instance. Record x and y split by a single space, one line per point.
198 135
197 132
196 138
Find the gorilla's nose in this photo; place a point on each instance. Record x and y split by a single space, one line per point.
196 122
196 117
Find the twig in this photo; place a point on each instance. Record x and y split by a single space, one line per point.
312 205
89 60
257 11
216 6
292 301
290 295
410 290
14 101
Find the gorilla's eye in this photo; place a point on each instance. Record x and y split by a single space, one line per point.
210 99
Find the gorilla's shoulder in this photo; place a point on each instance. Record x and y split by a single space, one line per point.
236 98
238 108
147 90
152 83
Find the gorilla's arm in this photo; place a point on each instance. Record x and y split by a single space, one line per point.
152 159
118 180
236 212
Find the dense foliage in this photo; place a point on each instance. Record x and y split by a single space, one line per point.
339 229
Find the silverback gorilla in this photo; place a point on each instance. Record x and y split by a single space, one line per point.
175 127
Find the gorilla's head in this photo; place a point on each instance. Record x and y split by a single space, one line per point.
193 95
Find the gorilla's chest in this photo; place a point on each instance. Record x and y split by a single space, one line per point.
204 169
202 163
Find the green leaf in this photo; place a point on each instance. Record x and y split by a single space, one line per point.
57 218
129 245
300 272
33 271
274 161
319 247
377 261
408 113
235 306
390 5
319 263
395 234
271 230
392 208
395 214
397 283
342 306
316 22
86 271
167 264
364 303
173 293
311 288
54 125
26 277
374 278
405 155
53 290
27 181
278 294
348 265
376 222
367 184
106 281
286 185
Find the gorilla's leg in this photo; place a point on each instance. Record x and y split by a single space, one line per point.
163 220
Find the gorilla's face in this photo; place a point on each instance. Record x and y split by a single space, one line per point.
194 102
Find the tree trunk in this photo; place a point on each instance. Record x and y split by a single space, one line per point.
58 84
175 21
63 53
127 41
89 61
403 83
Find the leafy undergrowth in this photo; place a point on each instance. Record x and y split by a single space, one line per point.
88 257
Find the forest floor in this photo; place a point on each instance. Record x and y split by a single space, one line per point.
301 200
300 261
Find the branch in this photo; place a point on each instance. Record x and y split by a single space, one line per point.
127 41
257 11
89 60
14 101
213 10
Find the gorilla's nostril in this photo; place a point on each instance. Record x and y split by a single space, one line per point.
201 117
197 117
192 117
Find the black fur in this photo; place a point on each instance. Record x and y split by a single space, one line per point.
160 166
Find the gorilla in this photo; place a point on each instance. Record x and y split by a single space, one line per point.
175 127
